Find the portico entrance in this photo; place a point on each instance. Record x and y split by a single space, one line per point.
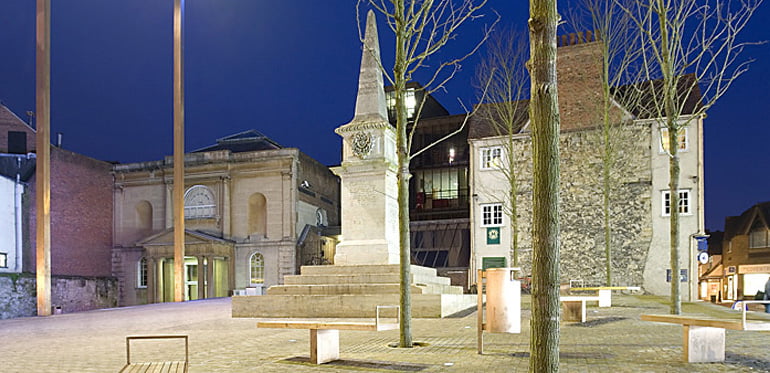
208 267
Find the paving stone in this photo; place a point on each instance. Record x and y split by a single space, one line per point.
614 340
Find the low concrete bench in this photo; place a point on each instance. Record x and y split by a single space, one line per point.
325 335
605 292
156 366
704 337
574 307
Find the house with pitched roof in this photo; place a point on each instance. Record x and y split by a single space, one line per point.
746 253
640 197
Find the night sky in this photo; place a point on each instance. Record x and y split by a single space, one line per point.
289 69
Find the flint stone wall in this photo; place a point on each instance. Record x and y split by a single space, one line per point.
73 294
582 253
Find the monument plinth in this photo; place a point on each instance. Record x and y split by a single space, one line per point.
368 170
366 269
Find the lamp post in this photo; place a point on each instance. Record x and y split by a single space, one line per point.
178 152
43 149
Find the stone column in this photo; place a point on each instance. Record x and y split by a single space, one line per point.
225 203
211 289
169 208
287 207
150 279
201 276
230 274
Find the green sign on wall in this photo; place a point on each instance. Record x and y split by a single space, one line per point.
492 262
493 236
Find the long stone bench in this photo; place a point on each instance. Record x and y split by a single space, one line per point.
574 307
604 292
325 335
156 366
704 337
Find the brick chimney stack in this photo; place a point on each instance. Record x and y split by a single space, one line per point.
579 70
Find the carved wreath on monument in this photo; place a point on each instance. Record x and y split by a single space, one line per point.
362 144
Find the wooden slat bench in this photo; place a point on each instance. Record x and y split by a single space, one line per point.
574 307
156 366
704 337
325 335
604 292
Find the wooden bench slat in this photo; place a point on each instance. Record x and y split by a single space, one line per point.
696 321
338 325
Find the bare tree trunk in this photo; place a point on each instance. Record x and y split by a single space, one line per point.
544 118
402 151
673 192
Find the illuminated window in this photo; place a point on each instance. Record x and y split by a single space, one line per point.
410 101
141 273
3 260
257 269
492 215
491 157
683 140
684 202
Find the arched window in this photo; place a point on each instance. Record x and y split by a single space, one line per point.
257 214
141 273
144 216
257 269
199 203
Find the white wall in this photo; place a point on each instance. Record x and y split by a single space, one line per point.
8 223
691 178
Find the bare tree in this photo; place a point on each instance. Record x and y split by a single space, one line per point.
691 51
503 82
422 28
544 119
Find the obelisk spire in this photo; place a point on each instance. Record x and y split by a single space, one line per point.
370 103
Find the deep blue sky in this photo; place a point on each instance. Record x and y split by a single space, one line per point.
289 69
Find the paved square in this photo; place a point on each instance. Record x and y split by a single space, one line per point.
613 340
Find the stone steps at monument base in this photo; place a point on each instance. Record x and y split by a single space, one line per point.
348 306
364 268
360 289
363 278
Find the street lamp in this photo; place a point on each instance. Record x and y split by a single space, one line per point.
43 149
178 152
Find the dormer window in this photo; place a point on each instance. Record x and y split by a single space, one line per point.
759 236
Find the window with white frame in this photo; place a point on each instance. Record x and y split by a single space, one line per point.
3 260
141 273
683 140
491 157
257 269
492 215
684 202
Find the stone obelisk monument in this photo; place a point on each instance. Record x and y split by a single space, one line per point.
368 169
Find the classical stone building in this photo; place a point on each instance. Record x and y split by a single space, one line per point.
254 212
639 209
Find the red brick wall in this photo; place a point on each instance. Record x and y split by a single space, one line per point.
579 70
81 216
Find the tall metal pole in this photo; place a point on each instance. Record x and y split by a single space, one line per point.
178 152
43 167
